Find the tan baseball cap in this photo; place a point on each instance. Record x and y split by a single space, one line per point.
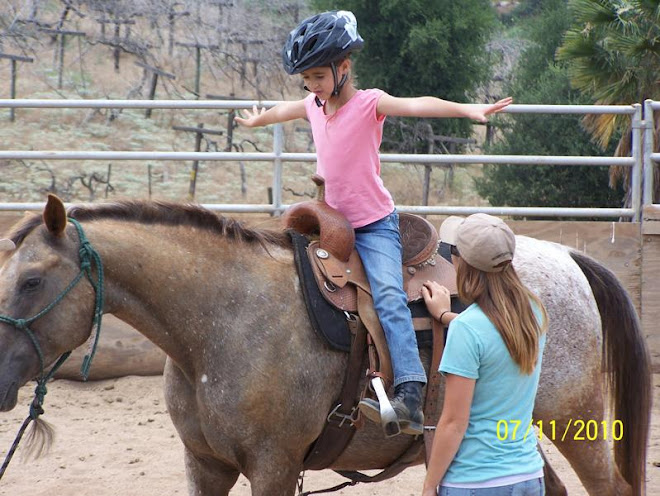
483 241
448 229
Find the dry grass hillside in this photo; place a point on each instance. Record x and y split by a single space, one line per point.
88 71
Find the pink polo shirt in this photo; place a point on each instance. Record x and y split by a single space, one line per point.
347 144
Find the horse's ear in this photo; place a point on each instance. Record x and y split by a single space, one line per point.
55 215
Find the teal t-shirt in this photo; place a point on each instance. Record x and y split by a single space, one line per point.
502 394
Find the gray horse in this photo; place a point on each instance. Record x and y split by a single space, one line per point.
249 384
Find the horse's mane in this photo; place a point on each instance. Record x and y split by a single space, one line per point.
161 213
25 226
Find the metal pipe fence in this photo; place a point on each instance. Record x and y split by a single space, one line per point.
641 160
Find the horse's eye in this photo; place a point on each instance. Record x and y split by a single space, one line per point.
31 284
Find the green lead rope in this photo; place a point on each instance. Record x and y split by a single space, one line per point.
36 410
87 255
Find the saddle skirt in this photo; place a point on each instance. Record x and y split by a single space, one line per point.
338 280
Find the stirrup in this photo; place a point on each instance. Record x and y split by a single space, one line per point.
385 414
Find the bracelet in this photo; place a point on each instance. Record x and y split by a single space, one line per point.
442 315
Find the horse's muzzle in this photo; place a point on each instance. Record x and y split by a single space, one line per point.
8 396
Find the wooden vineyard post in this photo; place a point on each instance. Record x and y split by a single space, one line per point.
155 72
12 84
199 134
230 126
453 142
115 42
427 176
221 4
244 56
171 16
198 60
230 117
61 34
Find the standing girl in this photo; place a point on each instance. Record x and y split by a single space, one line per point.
347 126
492 363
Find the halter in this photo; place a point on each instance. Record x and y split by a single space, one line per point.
87 254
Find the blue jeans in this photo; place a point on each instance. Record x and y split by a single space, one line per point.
532 487
379 247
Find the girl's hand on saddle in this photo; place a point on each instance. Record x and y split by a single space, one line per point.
480 112
437 298
250 119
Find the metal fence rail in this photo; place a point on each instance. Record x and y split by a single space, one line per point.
641 161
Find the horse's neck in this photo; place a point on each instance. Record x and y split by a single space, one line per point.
175 285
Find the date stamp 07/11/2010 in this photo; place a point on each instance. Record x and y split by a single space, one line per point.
572 430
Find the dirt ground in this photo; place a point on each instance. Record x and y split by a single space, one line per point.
114 437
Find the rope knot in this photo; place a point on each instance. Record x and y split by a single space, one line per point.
40 392
85 252
36 408
21 324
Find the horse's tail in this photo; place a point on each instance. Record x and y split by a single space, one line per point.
627 362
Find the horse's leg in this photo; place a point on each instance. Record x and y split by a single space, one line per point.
273 473
207 477
592 461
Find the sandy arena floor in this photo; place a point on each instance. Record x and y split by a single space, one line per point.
114 437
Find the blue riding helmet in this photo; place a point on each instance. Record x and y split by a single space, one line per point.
320 41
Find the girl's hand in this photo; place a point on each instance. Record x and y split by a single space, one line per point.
437 298
480 112
250 119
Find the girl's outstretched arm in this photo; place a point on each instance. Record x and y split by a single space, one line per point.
281 112
429 106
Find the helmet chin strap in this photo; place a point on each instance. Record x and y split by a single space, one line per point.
317 100
340 85
337 86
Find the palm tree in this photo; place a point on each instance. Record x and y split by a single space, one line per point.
613 55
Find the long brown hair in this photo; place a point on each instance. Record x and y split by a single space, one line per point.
506 301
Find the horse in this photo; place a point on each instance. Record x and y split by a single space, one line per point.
248 382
